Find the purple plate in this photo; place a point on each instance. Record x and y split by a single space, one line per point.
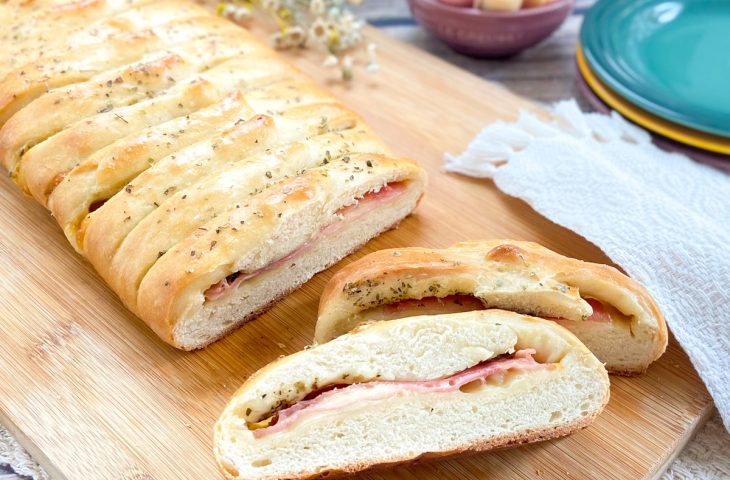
489 34
716 160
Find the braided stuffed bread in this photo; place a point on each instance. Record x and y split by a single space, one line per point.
201 175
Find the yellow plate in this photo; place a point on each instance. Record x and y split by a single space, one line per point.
647 120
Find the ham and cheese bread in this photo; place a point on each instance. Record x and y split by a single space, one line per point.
201 175
612 314
393 392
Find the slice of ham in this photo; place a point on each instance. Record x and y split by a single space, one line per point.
600 313
360 207
464 303
378 391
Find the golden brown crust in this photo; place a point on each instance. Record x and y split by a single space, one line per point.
42 163
499 272
111 78
31 27
213 197
136 76
67 66
97 178
84 23
394 263
229 242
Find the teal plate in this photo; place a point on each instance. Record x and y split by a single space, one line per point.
669 57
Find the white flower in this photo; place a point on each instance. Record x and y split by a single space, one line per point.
318 30
280 41
227 10
296 36
327 23
317 7
270 5
346 21
372 50
240 14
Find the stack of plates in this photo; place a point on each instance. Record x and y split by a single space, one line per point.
665 65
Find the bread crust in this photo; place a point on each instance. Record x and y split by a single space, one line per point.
501 273
240 239
212 197
43 163
28 82
169 180
73 19
151 70
98 178
34 26
126 89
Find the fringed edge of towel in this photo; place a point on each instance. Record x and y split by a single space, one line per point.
495 145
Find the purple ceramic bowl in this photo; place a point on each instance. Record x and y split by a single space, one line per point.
487 34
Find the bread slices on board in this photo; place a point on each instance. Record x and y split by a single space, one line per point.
612 314
202 176
393 392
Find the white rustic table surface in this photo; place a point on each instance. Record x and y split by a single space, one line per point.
545 73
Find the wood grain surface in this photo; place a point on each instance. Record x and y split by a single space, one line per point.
93 394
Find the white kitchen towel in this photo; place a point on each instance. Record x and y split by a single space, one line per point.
662 217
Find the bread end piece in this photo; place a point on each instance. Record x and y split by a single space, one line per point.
180 313
527 407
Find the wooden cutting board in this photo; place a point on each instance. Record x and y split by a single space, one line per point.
93 394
